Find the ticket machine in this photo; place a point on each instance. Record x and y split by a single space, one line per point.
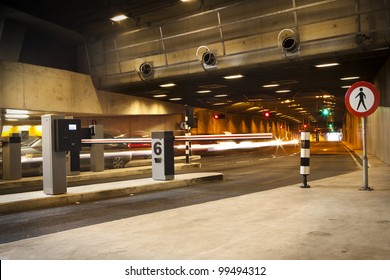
59 136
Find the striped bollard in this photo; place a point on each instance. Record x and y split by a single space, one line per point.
305 157
187 143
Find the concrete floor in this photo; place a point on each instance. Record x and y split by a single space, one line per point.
331 220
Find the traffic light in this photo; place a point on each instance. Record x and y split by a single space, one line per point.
218 116
325 112
305 126
267 114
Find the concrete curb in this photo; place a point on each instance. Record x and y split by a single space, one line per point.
36 183
37 200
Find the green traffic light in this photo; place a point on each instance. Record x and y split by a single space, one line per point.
325 112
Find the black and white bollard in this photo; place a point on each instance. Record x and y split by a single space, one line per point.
305 157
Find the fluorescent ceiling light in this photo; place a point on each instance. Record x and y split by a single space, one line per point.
175 98
220 95
219 104
345 86
168 85
349 78
16 116
118 18
238 76
13 111
270 85
159 95
283 91
253 108
327 65
203 91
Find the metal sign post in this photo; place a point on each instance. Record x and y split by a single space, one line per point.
361 100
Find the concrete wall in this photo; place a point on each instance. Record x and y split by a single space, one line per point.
378 124
235 123
37 88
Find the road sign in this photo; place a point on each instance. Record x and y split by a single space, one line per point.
362 99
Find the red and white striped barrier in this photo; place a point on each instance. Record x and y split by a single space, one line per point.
215 137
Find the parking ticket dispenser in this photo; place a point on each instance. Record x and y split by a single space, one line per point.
67 135
12 166
163 167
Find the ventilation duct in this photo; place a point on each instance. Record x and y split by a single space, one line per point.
288 42
144 69
208 59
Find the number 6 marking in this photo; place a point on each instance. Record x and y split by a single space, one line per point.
157 148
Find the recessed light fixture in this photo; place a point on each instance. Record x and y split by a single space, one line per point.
203 91
349 78
175 98
159 95
118 18
327 65
283 91
168 85
220 95
231 77
271 85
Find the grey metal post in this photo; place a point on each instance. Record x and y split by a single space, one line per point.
97 150
365 186
12 166
54 163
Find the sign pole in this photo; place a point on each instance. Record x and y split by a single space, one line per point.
361 100
365 186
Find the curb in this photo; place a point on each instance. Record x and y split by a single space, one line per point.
38 200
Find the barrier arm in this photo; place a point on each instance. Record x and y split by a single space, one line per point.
243 136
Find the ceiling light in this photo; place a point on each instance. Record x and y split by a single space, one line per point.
118 18
220 95
345 86
16 116
253 108
219 104
175 98
238 76
327 65
283 91
159 95
349 78
203 91
168 85
13 111
271 85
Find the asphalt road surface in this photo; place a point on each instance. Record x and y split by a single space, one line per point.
245 171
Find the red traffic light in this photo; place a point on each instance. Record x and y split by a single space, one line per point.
218 116
267 114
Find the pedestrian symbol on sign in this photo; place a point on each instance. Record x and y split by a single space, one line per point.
361 96
362 99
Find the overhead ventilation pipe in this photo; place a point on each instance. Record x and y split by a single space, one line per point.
144 69
208 58
288 42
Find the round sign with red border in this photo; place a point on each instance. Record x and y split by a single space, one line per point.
362 99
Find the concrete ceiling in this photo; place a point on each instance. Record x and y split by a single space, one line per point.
321 30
